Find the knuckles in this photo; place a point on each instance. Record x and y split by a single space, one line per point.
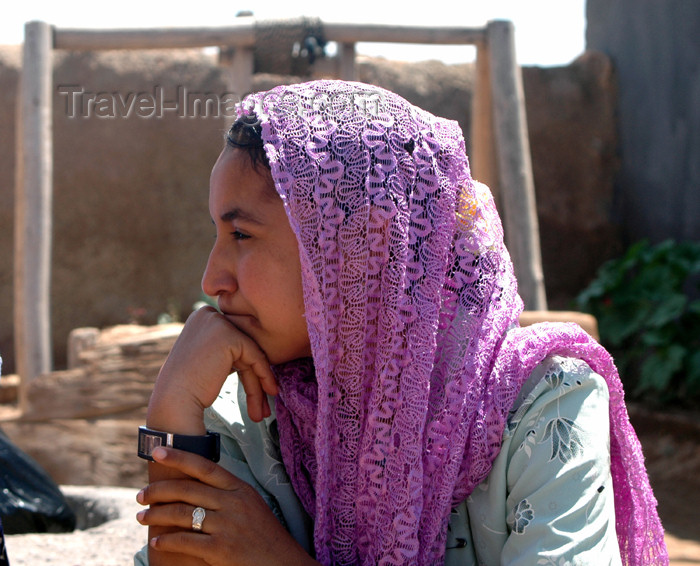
184 511
210 468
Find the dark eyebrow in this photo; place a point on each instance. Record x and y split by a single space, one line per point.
240 214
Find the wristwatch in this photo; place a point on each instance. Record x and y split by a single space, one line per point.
207 445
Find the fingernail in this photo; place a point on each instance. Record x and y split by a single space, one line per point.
140 515
139 496
159 453
153 542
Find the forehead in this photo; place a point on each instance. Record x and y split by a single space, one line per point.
236 182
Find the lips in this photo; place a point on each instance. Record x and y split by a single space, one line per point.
241 321
235 316
230 312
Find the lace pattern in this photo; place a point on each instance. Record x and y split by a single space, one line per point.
412 309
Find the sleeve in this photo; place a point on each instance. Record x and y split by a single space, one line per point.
560 505
251 452
548 499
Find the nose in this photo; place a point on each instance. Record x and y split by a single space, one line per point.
219 275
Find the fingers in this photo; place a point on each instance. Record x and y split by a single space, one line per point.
256 399
250 359
246 354
175 515
255 374
267 378
183 542
257 386
190 493
222 347
198 467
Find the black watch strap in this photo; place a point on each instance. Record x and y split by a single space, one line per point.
207 445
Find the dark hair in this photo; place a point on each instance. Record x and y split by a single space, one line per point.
246 134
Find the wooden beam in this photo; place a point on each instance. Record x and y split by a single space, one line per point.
242 34
33 198
353 33
517 187
239 34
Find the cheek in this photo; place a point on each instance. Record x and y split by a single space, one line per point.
254 276
282 285
268 282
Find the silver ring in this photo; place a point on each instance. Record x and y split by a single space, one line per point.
198 516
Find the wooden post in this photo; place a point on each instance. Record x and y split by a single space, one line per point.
483 151
238 64
347 61
33 197
517 188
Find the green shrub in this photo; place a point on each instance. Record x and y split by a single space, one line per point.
649 320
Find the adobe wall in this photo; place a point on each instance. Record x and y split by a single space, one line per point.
131 225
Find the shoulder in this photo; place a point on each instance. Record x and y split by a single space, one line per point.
562 419
565 384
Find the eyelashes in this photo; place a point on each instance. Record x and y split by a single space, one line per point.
238 235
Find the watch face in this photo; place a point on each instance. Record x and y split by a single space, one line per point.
147 442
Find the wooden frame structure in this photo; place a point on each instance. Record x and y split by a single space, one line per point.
500 155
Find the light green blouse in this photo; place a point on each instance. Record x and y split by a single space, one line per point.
548 499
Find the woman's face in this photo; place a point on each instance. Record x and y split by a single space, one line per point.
253 268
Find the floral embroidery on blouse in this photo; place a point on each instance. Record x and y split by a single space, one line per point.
524 514
563 433
566 442
552 561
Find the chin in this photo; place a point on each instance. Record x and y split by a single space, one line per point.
279 358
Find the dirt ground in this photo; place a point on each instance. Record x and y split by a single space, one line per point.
671 444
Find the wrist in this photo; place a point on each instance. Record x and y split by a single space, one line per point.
175 413
206 445
176 423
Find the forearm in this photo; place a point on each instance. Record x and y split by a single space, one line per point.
180 415
205 353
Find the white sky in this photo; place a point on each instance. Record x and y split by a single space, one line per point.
548 32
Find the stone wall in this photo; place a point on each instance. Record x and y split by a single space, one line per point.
131 226
80 424
655 48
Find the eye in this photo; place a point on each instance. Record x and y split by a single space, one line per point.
238 235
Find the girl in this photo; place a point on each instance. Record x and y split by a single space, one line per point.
361 277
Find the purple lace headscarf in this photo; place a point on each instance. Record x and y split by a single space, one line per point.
412 311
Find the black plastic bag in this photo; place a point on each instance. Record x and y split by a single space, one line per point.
30 501
3 551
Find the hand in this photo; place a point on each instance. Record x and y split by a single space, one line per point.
239 528
209 348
